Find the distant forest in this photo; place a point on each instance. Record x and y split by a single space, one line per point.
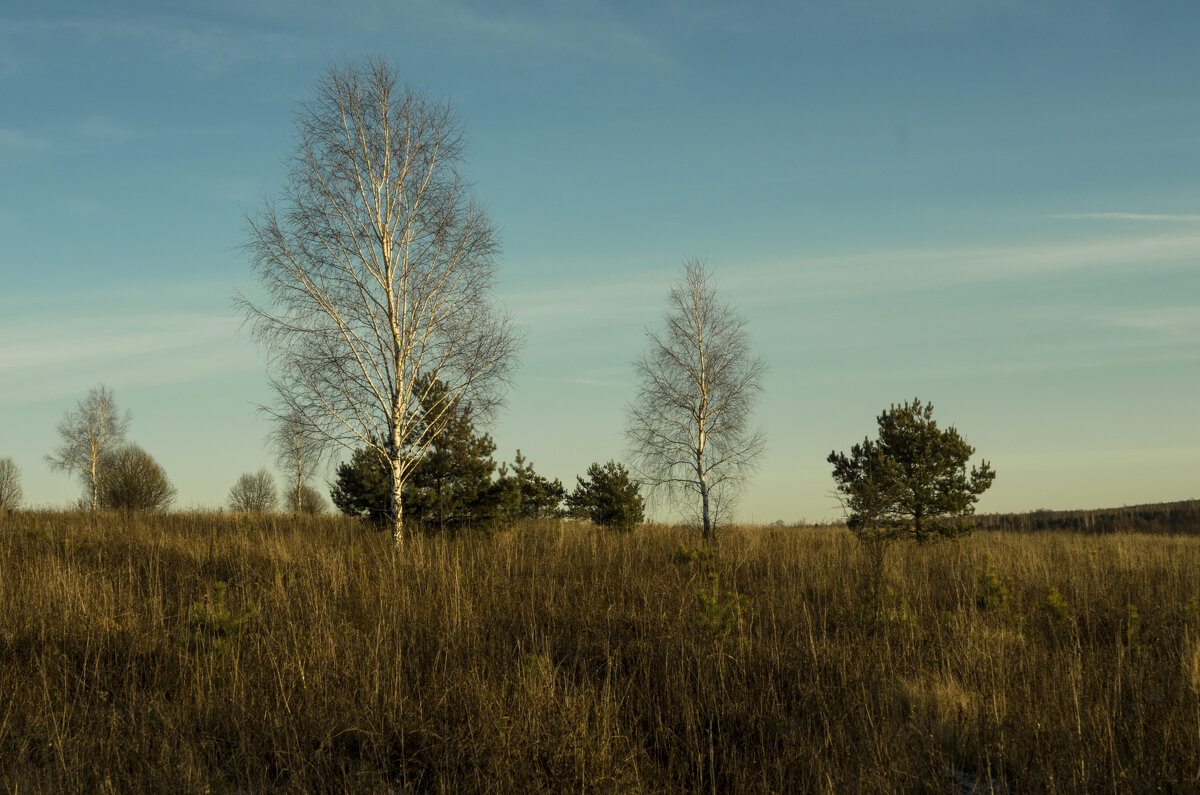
1164 517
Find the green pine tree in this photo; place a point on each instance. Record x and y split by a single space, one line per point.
451 487
912 480
609 497
361 486
521 493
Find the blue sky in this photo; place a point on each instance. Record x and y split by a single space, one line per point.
992 205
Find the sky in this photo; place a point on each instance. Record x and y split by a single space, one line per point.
992 205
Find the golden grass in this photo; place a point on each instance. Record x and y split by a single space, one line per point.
560 658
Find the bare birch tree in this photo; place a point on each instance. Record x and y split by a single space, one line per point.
377 268
94 429
299 448
10 486
689 424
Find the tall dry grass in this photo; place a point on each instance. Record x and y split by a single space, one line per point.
560 658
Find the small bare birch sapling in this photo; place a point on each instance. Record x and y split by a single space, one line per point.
689 425
94 429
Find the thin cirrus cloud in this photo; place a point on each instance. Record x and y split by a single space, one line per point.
212 47
908 270
17 141
1153 217
52 359
95 342
587 30
606 378
107 129
97 128
1180 321
583 301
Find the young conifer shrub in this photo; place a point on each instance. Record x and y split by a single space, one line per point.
993 593
685 555
213 624
1056 606
884 608
1136 641
721 612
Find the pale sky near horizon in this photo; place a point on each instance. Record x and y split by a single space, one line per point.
993 205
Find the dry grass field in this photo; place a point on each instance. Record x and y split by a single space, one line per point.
223 653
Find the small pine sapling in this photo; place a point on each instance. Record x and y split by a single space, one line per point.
213 624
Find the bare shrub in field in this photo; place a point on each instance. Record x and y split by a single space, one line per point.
299 449
134 481
254 493
521 663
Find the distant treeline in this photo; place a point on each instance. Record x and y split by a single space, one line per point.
1164 517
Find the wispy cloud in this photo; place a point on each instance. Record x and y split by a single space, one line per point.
51 344
1123 458
1021 363
207 45
925 15
1153 217
106 129
589 301
52 355
1182 321
884 272
85 208
15 140
606 378
584 29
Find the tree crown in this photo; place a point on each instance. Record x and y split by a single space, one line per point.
253 493
134 481
689 425
912 479
377 267
89 433
522 493
609 497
